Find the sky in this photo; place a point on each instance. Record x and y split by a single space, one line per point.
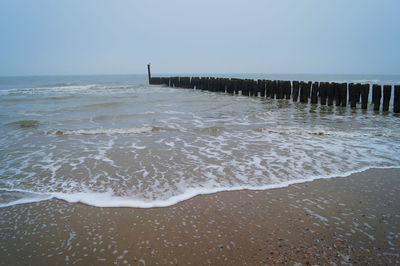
67 37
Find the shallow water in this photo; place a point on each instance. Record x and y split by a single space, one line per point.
115 141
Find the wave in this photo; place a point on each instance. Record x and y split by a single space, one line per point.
108 131
25 123
61 84
363 81
10 197
294 131
66 88
373 81
213 130
321 132
107 199
105 104
45 90
119 116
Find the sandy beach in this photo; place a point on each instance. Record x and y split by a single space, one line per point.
351 220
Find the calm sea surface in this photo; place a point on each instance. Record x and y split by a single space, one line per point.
116 141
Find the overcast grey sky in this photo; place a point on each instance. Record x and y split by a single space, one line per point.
182 36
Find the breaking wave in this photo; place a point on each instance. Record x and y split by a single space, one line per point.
108 131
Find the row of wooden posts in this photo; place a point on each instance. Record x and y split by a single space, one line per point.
328 93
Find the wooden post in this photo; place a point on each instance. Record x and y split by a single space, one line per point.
314 93
245 90
148 72
305 89
338 93
331 93
288 90
262 88
376 96
201 84
308 91
296 86
252 88
194 82
322 93
303 92
279 91
273 89
352 95
396 102
208 84
387 91
267 88
343 93
358 92
364 96
228 84
236 86
224 84
178 82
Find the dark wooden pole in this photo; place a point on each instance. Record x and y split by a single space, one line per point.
296 86
387 91
314 93
343 93
352 95
262 88
396 102
338 93
358 92
303 92
364 96
148 72
376 96
331 93
323 92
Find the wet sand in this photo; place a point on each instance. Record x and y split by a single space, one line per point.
352 220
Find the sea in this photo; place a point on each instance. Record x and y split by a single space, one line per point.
116 141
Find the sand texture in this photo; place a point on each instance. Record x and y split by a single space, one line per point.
352 220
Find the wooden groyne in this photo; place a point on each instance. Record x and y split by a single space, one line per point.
324 93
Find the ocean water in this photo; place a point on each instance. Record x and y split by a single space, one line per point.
116 141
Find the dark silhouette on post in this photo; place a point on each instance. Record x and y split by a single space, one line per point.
364 96
331 93
376 96
387 91
148 72
396 102
314 93
296 87
343 93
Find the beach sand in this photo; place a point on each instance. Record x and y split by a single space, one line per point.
351 220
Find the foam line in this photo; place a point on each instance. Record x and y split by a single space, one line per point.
106 199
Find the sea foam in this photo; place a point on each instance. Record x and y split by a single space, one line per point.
108 199
107 131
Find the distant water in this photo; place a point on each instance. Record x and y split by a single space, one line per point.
116 141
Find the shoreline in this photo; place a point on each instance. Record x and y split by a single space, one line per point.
354 219
119 202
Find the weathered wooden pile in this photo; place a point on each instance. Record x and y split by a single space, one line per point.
328 93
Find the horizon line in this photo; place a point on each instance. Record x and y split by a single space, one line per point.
192 73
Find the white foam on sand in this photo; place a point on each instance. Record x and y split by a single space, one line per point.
19 196
107 199
107 131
